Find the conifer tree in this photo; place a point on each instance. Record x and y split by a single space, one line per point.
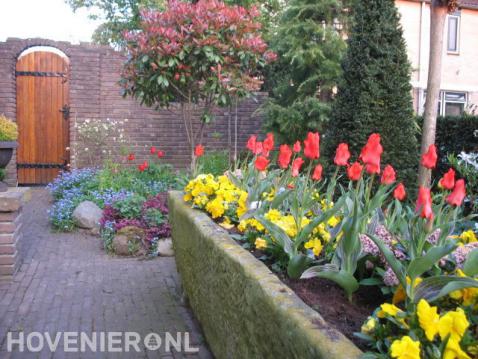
374 94
309 44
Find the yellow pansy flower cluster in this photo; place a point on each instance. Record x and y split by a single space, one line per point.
451 325
441 330
216 195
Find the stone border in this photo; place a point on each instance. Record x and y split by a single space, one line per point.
244 309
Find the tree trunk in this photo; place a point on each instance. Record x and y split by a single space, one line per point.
437 25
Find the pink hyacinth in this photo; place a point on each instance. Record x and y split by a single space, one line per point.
462 252
389 278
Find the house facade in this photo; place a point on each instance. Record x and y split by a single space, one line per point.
459 84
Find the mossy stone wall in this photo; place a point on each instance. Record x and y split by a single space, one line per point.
245 311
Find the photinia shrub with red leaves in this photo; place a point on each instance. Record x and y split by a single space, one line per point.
203 54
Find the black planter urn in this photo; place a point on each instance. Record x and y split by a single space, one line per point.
6 152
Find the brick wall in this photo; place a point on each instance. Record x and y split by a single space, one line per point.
95 94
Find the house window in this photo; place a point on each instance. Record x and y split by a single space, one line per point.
455 103
450 103
453 33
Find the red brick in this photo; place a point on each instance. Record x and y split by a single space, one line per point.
8 258
8 216
7 227
7 249
7 269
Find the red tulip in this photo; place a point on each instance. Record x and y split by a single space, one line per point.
312 145
251 143
458 195
297 147
160 154
152 150
371 154
143 166
448 180
354 172
296 165
199 151
317 175
285 154
268 144
399 192
290 186
261 163
131 157
424 203
342 155
388 175
429 159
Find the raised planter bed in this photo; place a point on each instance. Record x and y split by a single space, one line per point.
244 309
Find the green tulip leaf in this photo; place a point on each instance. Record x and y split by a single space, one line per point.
422 264
471 264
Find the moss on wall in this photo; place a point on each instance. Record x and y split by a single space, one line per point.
244 309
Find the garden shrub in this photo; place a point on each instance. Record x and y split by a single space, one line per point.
214 162
375 92
8 129
454 134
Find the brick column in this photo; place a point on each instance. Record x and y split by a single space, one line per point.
11 203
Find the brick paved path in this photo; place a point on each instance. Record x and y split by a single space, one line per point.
68 283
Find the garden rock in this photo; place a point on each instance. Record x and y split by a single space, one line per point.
128 241
165 247
87 215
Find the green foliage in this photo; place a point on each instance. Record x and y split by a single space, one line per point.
130 207
294 121
118 16
375 92
8 129
2 174
466 164
214 162
301 81
454 134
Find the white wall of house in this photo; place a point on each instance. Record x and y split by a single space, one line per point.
460 67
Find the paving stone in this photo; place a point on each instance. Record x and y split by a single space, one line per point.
68 283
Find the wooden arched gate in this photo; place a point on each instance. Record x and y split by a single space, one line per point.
42 115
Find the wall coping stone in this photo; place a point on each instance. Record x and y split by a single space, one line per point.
14 198
267 320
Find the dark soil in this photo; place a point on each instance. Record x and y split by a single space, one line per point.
330 301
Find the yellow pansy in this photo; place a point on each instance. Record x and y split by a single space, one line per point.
468 296
187 197
453 323
468 236
388 309
315 245
454 351
269 196
405 348
428 319
368 326
400 295
333 221
273 215
260 243
216 207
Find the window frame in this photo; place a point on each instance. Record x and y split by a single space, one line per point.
456 16
442 101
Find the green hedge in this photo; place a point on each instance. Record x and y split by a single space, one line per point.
244 310
453 135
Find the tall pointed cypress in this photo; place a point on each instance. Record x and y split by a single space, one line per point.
374 94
